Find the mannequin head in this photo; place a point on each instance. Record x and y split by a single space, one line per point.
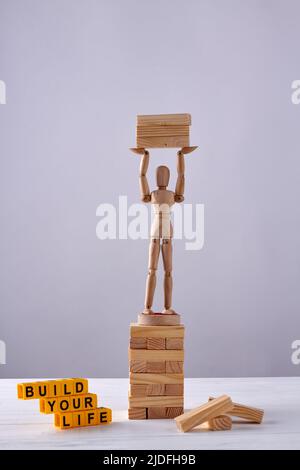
162 176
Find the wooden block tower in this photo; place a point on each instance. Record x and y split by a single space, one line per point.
156 358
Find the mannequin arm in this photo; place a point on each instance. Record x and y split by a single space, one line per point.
179 190
144 186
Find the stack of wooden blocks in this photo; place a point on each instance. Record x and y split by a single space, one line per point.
163 130
68 400
156 371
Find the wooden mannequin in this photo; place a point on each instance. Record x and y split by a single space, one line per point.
161 230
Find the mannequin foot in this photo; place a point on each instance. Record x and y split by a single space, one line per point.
168 311
147 311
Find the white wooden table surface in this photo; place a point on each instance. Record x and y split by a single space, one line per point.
23 427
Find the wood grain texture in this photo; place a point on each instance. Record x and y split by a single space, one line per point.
151 131
249 413
137 378
157 412
156 389
174 343
137 331
138 343
155 355
189 149
156 367
138 366
156 343
158 319
146 390
203 413
138 390
174 367
179 119
163 141
137 413
219 423
174 389
137 402
246 412
174 411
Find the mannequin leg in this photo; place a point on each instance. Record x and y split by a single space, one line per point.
168 280
154 248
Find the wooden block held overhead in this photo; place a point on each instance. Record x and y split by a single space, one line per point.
164 120
203 413
163 141
137 413
174 343
151 131
156 343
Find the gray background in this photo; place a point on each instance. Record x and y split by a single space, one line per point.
77 73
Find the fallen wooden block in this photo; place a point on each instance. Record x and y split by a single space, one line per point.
219 423
249 413
95 417
203 413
